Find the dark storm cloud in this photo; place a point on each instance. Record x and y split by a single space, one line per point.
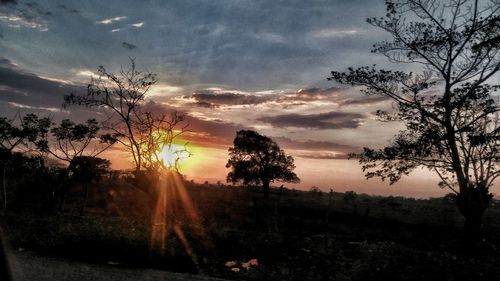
329 120
129 46
210 98
27 90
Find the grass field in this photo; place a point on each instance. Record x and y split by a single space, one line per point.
294 235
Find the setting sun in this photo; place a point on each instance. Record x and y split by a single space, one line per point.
173 155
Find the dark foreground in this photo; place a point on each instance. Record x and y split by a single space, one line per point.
28 266
292 236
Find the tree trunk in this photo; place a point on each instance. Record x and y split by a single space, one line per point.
472 202
265 185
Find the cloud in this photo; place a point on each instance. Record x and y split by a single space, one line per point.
334 33
311 94
202 132
129 46
314 145
64 7
24 106
24 90
270 37
328 120
111 20
321 155
22 20
246 46
216 98
364 100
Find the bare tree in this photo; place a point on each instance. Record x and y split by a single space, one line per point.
449 109
157 133
140 131
121 95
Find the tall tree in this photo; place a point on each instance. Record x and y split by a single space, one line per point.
448 106
257 159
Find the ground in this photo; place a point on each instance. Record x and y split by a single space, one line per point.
29 266
238 235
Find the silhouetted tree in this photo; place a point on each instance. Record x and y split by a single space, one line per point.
69 141
451 117
85 170
157 133
349 196
22 136
257 159
123 96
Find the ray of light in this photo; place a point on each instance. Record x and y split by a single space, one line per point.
174 214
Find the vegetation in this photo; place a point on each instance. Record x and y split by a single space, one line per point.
28 133
290 235
257 159
152 216
450 112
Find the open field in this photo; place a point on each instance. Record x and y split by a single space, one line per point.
296 236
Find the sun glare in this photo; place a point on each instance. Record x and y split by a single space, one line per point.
173 155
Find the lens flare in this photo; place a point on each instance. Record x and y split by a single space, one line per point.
175 214
172 155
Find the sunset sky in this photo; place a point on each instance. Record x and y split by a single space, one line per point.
228 65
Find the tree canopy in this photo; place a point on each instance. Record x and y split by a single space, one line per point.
257 159
448 103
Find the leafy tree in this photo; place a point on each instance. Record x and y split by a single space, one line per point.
70 140
28 132
257 159
448 107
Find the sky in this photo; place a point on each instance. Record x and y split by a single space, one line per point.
229 65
